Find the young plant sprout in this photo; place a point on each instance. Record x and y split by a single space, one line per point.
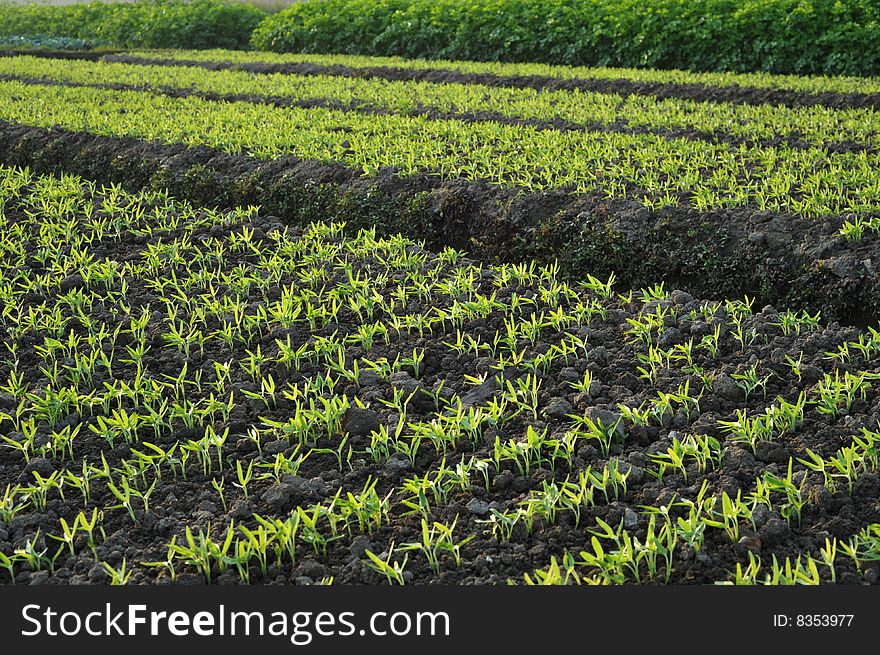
392 569
437 539
596 430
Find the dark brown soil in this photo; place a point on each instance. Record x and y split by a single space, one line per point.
178 503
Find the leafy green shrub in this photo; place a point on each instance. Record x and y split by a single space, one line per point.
148 23
783 36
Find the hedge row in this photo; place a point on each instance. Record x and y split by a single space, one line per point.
145 24
781 36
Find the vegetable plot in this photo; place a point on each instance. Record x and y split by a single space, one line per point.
658 170
721 184
216 396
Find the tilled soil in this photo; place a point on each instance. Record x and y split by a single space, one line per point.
612 359
781 262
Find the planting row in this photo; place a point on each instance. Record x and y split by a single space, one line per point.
658 171
721 122
792 263
804 84
194 395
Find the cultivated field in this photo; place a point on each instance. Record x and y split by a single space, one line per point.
337 319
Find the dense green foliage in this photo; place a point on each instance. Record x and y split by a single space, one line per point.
150 23
784 36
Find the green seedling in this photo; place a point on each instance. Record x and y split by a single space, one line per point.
391 569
